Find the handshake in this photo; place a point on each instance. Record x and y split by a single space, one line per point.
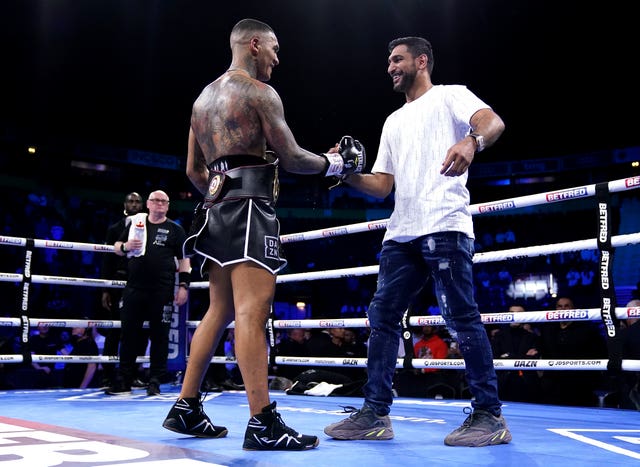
350 158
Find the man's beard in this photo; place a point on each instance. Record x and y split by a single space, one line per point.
406 81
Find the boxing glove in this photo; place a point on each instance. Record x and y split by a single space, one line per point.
350 159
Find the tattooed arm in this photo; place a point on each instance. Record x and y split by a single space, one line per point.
197 169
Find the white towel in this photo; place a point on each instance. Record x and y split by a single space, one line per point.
322 389
138 229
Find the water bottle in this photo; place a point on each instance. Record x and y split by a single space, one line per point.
138 232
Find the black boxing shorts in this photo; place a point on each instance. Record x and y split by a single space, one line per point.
237 221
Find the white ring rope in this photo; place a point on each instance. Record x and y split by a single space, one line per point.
458 364
544 316
13 358
493 318
489 256
507 204
448 364
454 363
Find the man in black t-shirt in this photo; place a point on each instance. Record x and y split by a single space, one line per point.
153 243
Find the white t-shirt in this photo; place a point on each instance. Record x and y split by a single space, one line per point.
414 143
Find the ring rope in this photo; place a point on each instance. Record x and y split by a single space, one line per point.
506 204
624 184
484 257
436 320
13 358
449 364
586 314
458 364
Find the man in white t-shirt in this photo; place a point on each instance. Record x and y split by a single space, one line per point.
425 150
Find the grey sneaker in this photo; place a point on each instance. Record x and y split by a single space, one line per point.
361 424
481 428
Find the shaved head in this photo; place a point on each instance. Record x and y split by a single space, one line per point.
246 28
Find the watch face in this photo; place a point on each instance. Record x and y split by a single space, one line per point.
479 141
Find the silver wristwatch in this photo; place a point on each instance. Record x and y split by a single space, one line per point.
479 141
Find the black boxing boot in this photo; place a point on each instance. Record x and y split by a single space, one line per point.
187 417
267 432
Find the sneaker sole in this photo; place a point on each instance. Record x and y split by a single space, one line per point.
379 434
500 437
169 426
284 448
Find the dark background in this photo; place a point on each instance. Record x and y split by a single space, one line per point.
125 73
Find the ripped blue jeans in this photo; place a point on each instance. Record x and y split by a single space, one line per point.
404 268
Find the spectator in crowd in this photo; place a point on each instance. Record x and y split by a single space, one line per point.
319 343
340 349
352 344
45 342
430 346
326 343
419 382
81 375
293 345
517 341
575 340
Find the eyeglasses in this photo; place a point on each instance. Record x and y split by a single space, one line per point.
159 201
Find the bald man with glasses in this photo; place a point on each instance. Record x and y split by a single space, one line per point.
153 244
